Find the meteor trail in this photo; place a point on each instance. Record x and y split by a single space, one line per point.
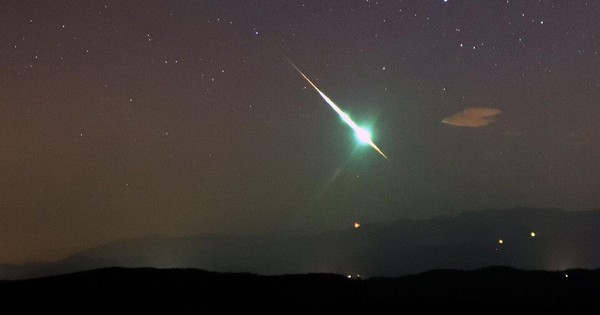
361 133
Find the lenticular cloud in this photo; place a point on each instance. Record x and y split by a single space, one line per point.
473 117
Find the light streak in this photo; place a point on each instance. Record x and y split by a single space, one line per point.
361 133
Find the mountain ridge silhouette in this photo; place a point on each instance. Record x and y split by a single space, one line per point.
466 241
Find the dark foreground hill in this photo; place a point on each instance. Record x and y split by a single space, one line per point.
147 290
471 240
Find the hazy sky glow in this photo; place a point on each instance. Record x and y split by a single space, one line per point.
123 119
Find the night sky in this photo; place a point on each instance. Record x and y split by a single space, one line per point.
123 119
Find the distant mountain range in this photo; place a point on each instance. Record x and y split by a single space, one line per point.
467 241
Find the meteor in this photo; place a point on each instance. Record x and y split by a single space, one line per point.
361 133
